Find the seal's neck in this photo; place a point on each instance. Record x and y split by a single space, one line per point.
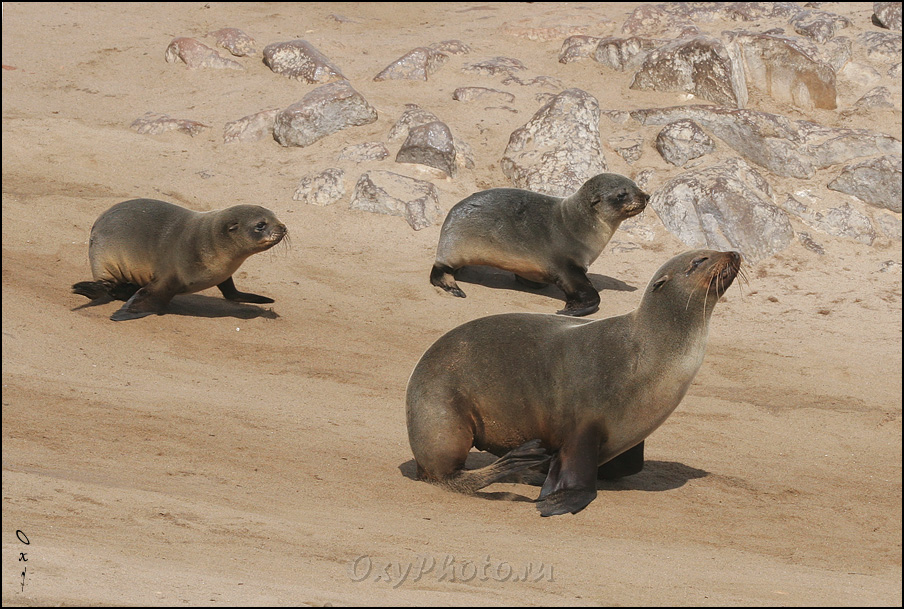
585 226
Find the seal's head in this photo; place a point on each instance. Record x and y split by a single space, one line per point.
613 197
695 278
253 226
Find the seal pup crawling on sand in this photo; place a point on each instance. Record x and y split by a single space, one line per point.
539 238
146 251
532 387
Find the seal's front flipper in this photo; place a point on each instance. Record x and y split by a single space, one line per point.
628 463
441 276
230 292
143 303
565 501
571 482
581 298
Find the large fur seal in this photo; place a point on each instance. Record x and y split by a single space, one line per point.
539 238
587 391
146 251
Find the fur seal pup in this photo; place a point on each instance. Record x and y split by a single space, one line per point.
587 391
146 251
539 238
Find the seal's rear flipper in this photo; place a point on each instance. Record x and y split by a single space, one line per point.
92 289
628 463
529 454
143 303
565 501
230 292
105 290
441 276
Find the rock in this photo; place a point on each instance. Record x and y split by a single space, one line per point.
682 141
390 193
416 64
558 149
368 151
881 45
467 94
624 53
415 116
577 47
154 124
890 225
299 59
787 70
844 221
430 145
324 188
198 55
783 146
879 97
727 206
887 15
251 128
818 25
807 241
875 181
235 41
451 47
652 21
494 66
701 65
544 81
325 110
628 147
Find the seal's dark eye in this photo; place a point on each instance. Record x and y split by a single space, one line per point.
695 263
622 196
260 226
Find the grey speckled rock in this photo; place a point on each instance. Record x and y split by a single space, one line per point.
577 47
299 59
844 221
235 41
415 116
727 206
324 188
198 55
875 181
682 141
325 110
494 66
155 124
783 146
390 193
251 128
818 25
367 151
628 147
430 145
890 225
468 94
416 64
887 15
702 66
624 53
558 149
